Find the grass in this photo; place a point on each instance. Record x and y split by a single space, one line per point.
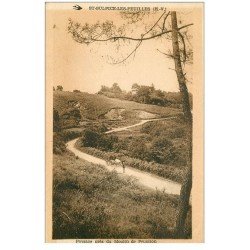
89 202
94 106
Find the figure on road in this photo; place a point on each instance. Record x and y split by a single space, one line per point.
123 166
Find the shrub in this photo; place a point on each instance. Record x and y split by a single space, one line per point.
138 149
162 150
68 135
59 146
98 140
60 138
90 138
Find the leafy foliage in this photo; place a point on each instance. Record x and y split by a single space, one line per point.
60 138
96 139
144 94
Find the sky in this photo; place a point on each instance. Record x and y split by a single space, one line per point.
86 68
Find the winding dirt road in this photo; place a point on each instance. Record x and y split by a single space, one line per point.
144 178
135 125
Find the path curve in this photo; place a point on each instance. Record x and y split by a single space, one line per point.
137 124
144 178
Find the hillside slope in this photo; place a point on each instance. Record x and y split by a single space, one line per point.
93 106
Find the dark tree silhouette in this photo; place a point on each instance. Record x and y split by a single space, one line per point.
187 184
59 87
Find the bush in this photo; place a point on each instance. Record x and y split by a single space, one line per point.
68 135
162 150
59 146
138 149
60 138
98 140
90 138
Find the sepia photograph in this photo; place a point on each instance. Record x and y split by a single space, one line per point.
125 125
124 122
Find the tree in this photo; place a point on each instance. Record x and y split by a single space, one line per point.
135 86
181 54
178 68
59 87
115 88
103 89
144 93
187 184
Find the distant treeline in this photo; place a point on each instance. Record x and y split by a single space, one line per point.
144 94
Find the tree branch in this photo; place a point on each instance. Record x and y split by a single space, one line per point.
172 69
168 55
92 36
154 24
114 38
140 42
165 18
134 50
184 47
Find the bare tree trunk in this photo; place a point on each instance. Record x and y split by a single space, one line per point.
178 68
187 183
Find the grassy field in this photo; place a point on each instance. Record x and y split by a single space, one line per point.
90 202
93 106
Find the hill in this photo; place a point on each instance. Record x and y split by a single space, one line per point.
75 108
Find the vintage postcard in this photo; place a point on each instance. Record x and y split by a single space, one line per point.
124 122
